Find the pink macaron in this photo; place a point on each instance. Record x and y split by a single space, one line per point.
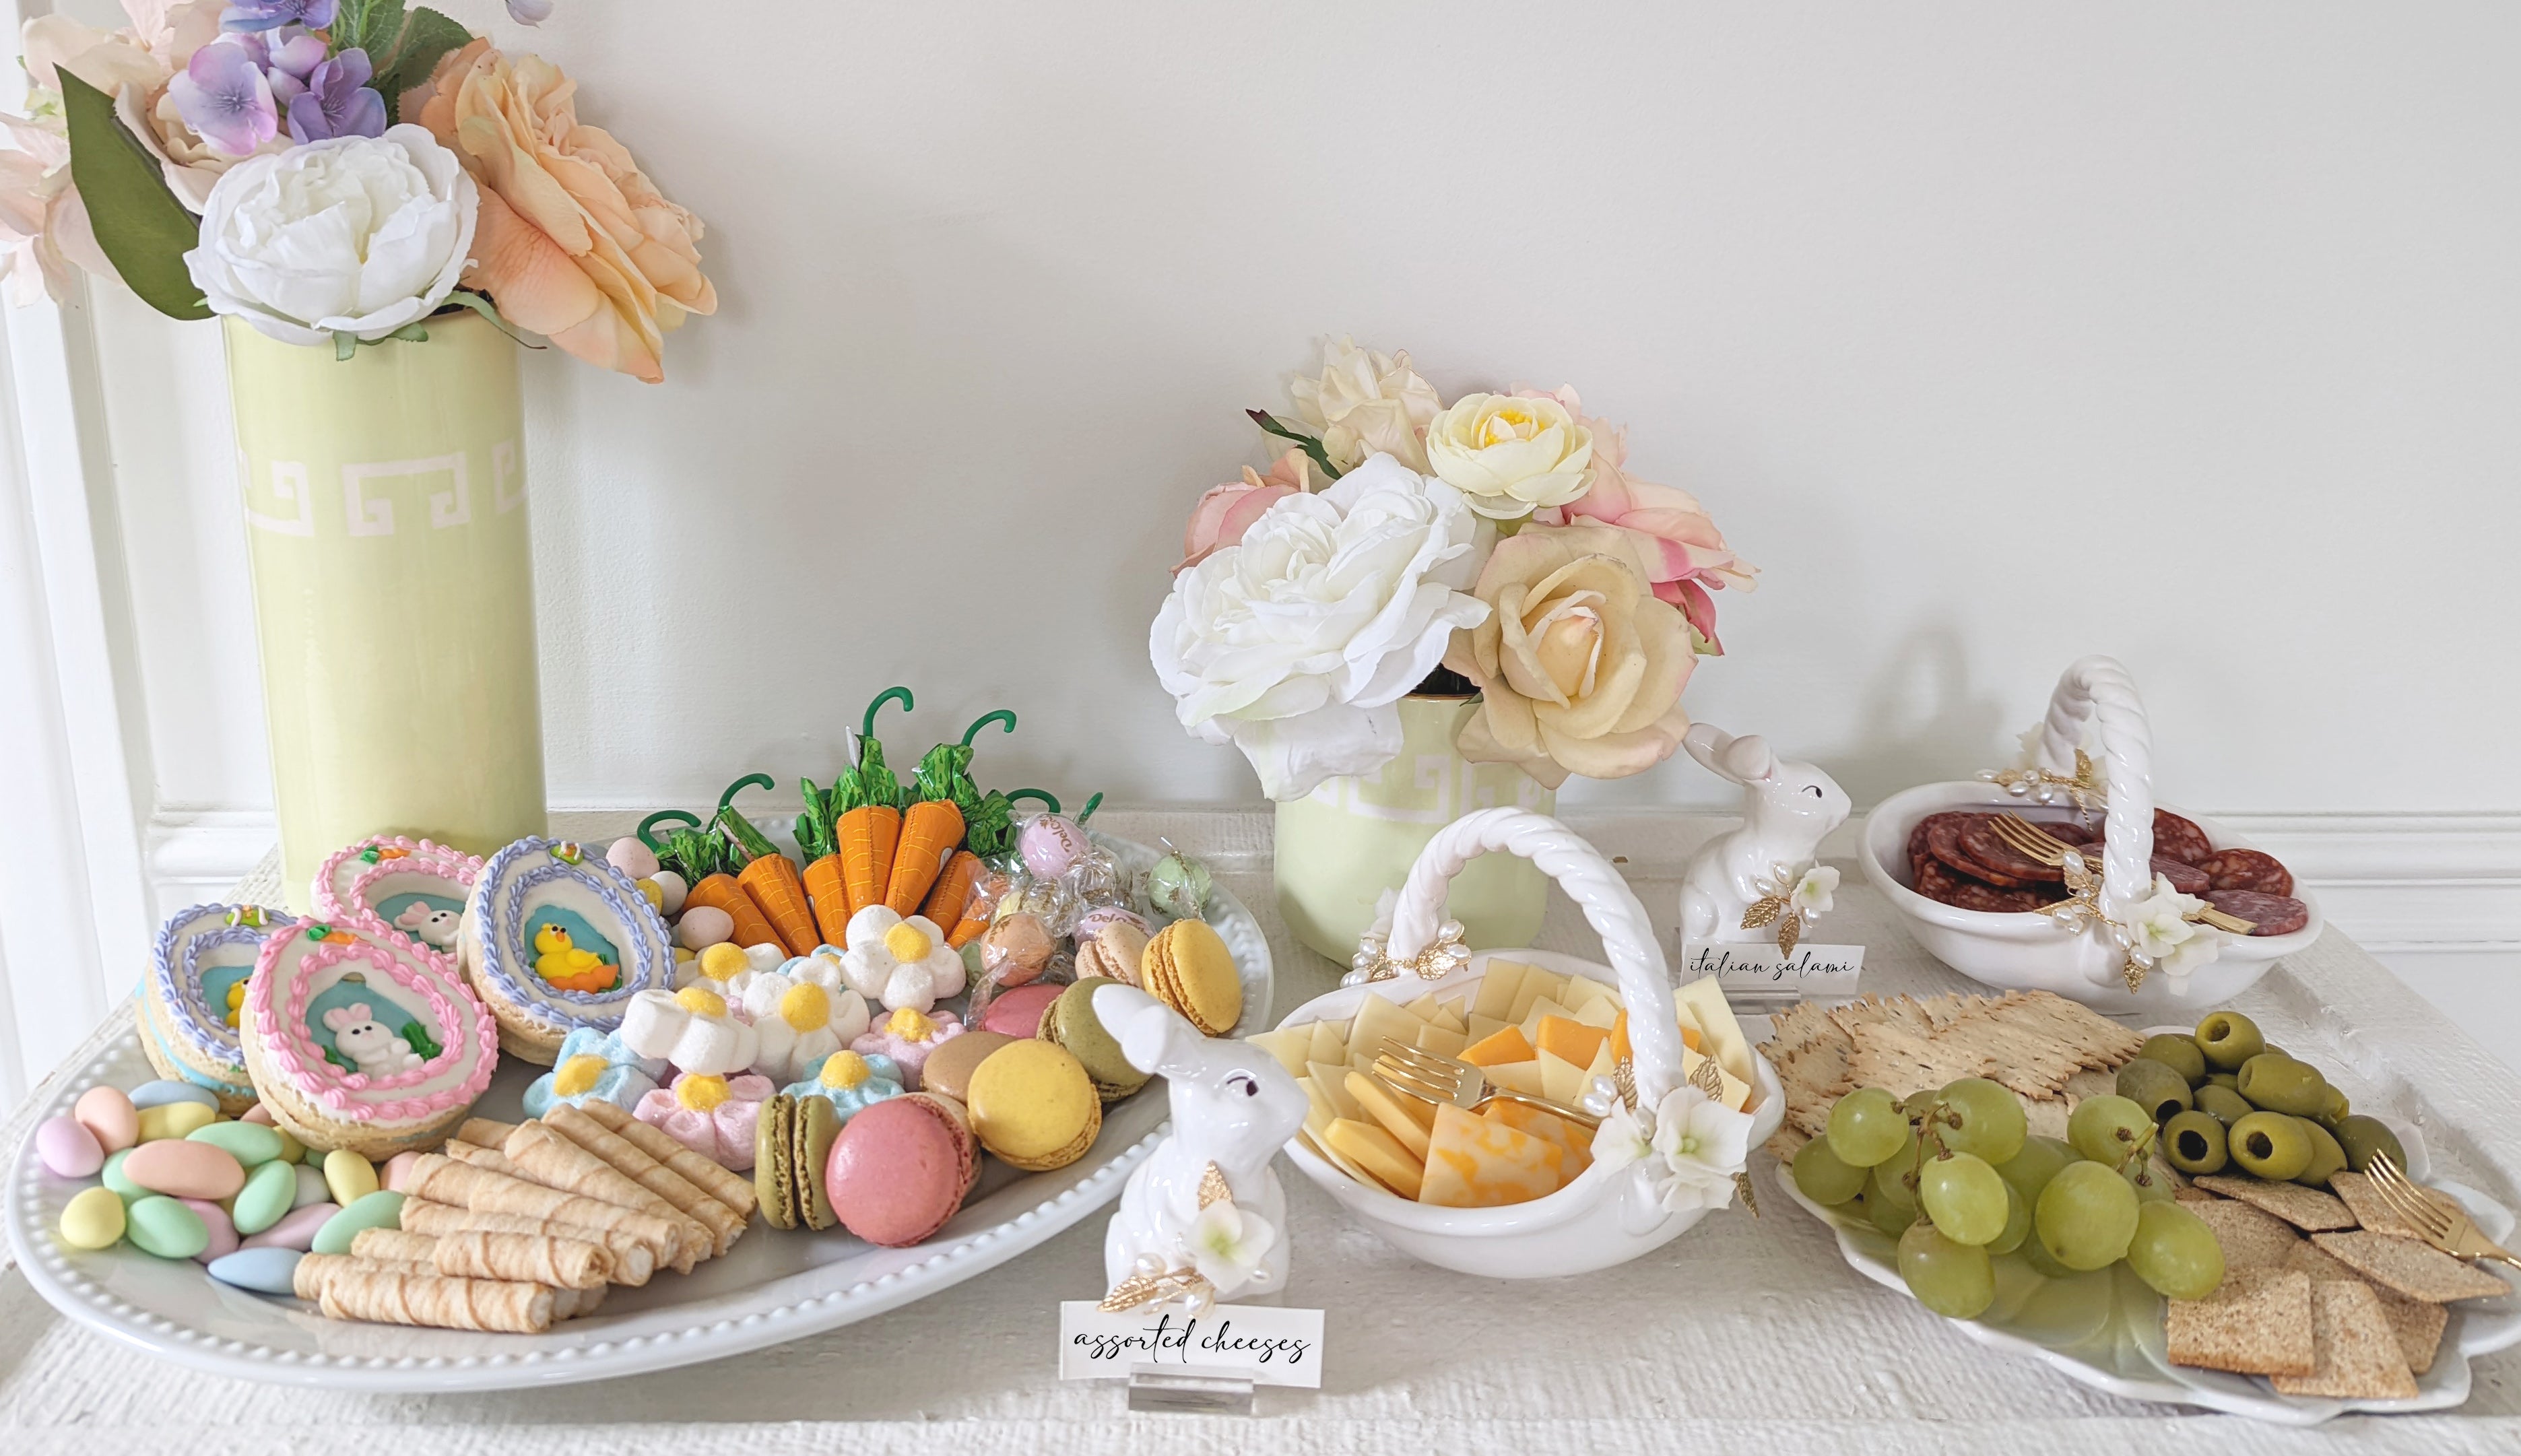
1019 1012
899 1169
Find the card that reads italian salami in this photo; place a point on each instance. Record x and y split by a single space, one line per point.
1267 1346
1813 970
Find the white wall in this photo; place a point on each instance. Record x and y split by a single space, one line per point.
1994 333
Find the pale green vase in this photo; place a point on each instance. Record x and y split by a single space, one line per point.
384 508
1340 848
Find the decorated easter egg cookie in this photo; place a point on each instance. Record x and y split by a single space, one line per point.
195 997
407 887
557 940
363 1042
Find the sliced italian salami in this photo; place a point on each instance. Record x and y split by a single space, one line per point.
2175 837
1944 842
2247 868
1981 842
2185 878
1939 883
2271 914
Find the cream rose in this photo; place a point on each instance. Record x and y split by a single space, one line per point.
1367 404
1580 668
1510 455
1295 644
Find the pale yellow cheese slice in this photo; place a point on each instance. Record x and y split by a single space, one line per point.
1377 1152
1448 1017
1424 1007
1499 981
1561 1081
1329 1044
1546 1006
1481 1027
1407 1119
1287 1044
1518 1076
1737 1091
1604 1014
1538 985
1442 1042
1319 1112
1702 1001
1585 990
1379 1020
1472 1163
1332 1083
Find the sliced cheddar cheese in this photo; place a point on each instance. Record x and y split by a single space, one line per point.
1508 1044
1540 1010
1407 1119
1571 1039
1380 1154
1472 1163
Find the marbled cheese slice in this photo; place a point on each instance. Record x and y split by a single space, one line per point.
1472 1163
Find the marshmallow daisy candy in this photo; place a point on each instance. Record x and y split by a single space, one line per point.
901 963
594 1067
801 1019
692 1030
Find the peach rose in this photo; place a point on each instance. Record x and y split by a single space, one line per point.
1580 668
1227 510
574 242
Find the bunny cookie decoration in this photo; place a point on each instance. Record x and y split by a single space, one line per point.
1203 1218
1761 881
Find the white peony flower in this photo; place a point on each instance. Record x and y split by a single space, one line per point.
2158 929
1227 1244
356 235
1295 644
1688 1152
1367 404
1511 454
901 961
1814 892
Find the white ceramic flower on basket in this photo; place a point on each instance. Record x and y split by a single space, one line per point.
1296 643
355 235
901 961
1687 1151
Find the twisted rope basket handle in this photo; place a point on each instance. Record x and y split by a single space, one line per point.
1609 906
2098 688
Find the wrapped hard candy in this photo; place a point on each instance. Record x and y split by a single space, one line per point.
1052 845
1016 949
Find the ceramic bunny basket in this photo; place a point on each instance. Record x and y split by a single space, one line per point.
1202 1220
1788 807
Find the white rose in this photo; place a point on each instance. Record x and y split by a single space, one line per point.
356 235
1367 404
1294 645
1511 454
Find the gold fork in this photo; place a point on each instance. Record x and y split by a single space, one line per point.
2436 1217
2031 842
1429 1077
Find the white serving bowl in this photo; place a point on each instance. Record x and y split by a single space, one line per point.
1582 1227
2029 951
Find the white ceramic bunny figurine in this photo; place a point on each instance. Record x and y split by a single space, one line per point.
1233 1108
1788 808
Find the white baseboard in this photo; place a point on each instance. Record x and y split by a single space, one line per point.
2393 882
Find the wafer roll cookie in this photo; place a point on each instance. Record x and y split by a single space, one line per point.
487 1132
547 1158
536 1258
436 1303
633 1262
316 1269
631 1159
397 1247
730 1189
447 1181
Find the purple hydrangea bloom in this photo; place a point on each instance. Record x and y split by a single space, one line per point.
271 14
287 56
223 95
338 101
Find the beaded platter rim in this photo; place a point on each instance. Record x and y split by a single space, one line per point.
710 1328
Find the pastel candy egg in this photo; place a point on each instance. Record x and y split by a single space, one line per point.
1051 845
165 1093
174 1120
311 1188
269 1192
380 1210
296 1231
673 888
266 1271
632 857
291 1149
181 1168
705 925
221 1229
67 1150
166 1228
108 1115
251 1143
397 1170
349 1176
94 1220
258 1113
120 1181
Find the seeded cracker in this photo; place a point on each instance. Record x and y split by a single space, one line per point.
2251 1239
2418 1325
2417 1270
2355 1354
2366 1205
2259 1323
2306 1208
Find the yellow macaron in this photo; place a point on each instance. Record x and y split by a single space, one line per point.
1034 1105
1189 969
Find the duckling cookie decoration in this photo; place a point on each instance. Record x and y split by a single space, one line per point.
411 888
556 940
193 997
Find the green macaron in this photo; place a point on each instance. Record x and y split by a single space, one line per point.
817 1127
774 1173
1072 1024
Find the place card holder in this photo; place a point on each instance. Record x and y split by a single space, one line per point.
1190 1390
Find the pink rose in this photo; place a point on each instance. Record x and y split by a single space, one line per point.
1227 510
1683 548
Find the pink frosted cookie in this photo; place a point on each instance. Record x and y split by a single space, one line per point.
907 1037
715 1117
397 887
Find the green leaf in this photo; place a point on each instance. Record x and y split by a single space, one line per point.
369 26
423 41
481 304
143 228
1310 447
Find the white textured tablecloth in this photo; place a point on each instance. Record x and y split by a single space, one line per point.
1742 1336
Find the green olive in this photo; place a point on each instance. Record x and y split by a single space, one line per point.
2193 1141
2155 1086
2224 1079
2228 1038
2179 1053
2363 1136
2279 1084
2338 1107
2327 1159
2270 1145
2225 1104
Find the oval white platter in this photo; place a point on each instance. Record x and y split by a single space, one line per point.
2104 1329
771 1288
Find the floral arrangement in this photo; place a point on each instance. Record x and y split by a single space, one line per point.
1495 545
335 172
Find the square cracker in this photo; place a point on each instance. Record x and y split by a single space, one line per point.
2355 1354
2417 1270
2306 1208
2258 1323
1890 1056
2418 1324
2251 1239
2356 1191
